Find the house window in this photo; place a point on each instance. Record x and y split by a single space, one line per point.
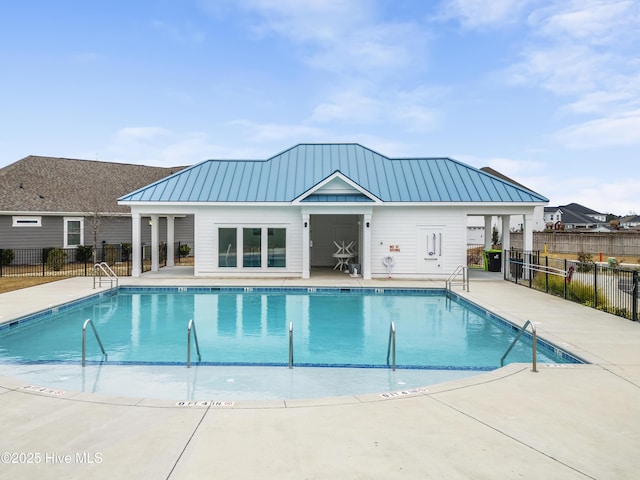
251 247
277 247
73 231
27 222
227 247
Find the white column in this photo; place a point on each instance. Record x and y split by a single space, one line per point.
306 245
487 232
170 240
136 245
506 241
365 251
527 243
155 244
527 235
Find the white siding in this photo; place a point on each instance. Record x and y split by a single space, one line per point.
398 226
209 219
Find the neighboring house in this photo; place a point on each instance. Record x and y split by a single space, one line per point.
552 217
476 227
574 216
283 216
56 202
630 221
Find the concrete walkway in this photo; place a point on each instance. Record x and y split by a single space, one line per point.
570 421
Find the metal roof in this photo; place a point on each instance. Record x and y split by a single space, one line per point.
297 171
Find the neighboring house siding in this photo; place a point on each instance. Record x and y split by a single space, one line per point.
50 234
111 230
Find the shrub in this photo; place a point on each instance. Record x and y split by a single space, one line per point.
6 257
126 251
111 254
84 253
184 250
576 291
585 262
55 259
582 293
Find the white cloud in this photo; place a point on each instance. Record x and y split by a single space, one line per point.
158 146
606 196
412 110
607 131
563 70
342 36
594 22
483 13
585 52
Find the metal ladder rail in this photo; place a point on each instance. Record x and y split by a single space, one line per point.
391 346
105 269
290 344
460 269
88 321
192 326
534 341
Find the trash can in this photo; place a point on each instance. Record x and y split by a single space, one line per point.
494 260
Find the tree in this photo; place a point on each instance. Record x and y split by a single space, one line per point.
495 237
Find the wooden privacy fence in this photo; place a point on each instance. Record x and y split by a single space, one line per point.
618 244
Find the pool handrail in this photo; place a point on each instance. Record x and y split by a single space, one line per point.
104 268
391 346
192 326
290 344
534 341
88 321
460 269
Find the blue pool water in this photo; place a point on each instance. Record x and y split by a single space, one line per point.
144 332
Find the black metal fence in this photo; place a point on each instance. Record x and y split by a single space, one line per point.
78 262
608 288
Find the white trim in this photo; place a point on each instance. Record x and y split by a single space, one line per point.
65 221
334 178
26 221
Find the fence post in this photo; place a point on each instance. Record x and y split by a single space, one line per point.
565 279
634 297
546 275
595 285
44 259
1 262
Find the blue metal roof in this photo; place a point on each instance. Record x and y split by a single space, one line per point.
298 170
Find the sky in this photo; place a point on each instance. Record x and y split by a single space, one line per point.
546 92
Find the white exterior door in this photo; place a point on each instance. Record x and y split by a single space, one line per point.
430 243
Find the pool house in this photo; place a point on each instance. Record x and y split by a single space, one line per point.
334 206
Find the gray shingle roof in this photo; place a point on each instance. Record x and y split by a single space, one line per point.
47 184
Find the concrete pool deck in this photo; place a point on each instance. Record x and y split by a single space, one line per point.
569 421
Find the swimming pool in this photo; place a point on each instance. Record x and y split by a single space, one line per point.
345 331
